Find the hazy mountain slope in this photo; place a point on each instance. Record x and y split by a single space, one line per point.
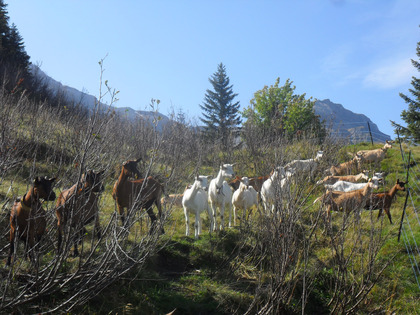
346 124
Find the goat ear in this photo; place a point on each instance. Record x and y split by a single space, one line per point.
53 179
138 160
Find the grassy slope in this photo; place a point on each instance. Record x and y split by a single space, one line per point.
196 276
201 276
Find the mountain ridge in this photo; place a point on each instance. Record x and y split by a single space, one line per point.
342 122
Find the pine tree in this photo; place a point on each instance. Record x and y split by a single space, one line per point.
4 25
412 115
14 61
221 114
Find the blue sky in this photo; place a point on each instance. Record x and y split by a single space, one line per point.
353 52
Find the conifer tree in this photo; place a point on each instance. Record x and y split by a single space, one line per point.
221 114
412 115
14 61
4 25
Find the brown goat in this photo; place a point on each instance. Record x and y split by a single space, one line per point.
255 182
234 183
27 217
329 180
78 206
345 168
346 201
172 200
382 201
142 192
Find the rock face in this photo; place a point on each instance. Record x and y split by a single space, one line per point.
346 124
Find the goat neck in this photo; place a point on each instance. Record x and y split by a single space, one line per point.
368 188
395 188
123 175
28 199
194 189
219 181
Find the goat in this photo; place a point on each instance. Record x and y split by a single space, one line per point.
255 182
346 167
349 186
244 198
383 200
235 183
27 217
268 190
172 200
304 166
374 156
78 206
345 201
329 180
140 192
195 201
220 195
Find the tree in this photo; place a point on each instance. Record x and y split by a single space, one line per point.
4 25
14 61
221 114
278 111
412 115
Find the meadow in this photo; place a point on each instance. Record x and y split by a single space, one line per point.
292 262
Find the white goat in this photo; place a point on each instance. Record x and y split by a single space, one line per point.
195 202
349 186
244 198
268 189
302 166
220 195
329 180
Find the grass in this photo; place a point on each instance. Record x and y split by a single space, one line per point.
214 275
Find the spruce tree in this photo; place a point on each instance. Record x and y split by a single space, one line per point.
221 114
4 26
14 61
412 115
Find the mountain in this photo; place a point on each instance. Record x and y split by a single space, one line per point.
343 122
346 124
90 102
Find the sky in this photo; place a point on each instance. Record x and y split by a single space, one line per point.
354 52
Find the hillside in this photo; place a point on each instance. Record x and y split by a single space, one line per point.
292 261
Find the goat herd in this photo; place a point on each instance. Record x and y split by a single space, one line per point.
78 205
